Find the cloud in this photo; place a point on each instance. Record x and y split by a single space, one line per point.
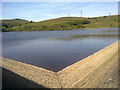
38 11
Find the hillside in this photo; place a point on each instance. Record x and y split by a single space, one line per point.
103 22
63 23
9 24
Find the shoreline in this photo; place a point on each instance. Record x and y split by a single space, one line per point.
62 30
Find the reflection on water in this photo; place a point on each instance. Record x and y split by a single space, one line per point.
55 50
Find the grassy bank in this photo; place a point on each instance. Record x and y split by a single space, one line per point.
63 23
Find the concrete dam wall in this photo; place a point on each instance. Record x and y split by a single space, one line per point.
99 70
38 75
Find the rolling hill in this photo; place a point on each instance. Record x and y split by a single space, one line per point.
63 23
9 24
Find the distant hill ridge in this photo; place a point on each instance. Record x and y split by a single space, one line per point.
62 23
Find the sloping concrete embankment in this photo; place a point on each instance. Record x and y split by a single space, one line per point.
99 70
43 77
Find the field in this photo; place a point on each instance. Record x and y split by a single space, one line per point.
62 23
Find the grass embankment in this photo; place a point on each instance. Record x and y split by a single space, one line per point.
103 22
63 23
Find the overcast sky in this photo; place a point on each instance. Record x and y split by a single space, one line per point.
37 11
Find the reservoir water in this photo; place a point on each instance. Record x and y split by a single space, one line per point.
55 50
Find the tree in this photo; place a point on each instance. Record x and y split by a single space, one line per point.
3 29
31 21
85 22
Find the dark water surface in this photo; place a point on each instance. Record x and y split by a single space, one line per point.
54 50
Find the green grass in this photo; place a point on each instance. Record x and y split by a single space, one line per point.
63 23
103 22
8 25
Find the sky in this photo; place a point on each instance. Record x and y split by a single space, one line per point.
38 11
